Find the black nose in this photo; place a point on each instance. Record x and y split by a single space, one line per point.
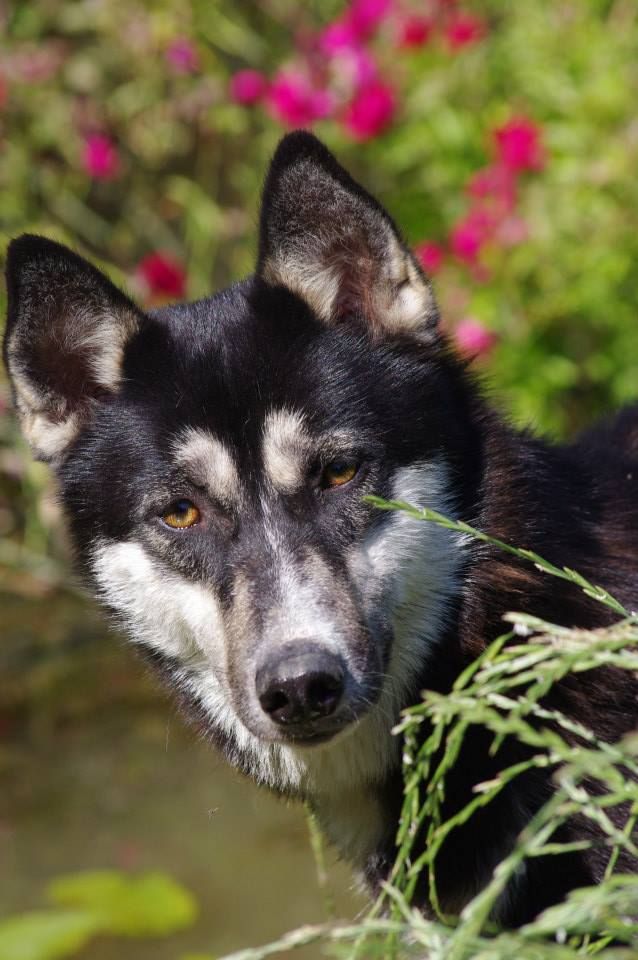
300 686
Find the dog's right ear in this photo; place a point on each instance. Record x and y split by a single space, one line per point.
67 327
328 241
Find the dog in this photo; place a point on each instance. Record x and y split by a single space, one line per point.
213 460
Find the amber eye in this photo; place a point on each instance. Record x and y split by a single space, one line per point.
181 514
338 472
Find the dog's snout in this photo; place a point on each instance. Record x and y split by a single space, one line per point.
300 687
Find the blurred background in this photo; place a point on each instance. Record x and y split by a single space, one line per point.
504 140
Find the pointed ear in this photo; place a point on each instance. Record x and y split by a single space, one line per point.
67 327
328 241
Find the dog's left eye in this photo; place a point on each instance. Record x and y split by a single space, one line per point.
338 472
181 514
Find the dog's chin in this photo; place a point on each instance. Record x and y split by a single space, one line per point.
319 738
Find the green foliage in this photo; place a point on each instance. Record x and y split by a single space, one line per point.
94 903
149 905
45 934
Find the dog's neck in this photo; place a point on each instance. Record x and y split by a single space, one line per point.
355 821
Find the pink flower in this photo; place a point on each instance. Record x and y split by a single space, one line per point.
430 256
162 276
367 15
473 338
100 158
519 146
338 36
294 101
247 87
182 56
495 189
463 29
370 112
470 235
493 182
358 23
356 67
414 32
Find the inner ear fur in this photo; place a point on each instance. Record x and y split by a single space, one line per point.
327 240
67 328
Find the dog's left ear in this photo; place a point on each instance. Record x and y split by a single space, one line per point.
67 331
324 238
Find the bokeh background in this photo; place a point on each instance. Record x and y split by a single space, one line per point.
504 140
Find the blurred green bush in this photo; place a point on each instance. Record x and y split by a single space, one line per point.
97 903
121 135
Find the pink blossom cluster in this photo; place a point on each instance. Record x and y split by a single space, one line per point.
182 56
341 72
456 27
492 220
336 73
100 157
161 277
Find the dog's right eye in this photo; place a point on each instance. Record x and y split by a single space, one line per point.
338 473
181 514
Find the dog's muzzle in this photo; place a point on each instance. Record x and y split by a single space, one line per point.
301 690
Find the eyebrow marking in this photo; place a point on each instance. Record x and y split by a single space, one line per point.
285 449
209 464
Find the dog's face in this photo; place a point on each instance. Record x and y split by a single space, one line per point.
213 460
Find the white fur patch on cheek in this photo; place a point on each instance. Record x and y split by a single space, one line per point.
160 609
410 569
182 620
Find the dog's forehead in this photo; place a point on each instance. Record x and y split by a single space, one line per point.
258 390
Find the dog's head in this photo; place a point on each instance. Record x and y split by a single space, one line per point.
213 460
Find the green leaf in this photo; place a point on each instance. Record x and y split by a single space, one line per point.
151 904
46 934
